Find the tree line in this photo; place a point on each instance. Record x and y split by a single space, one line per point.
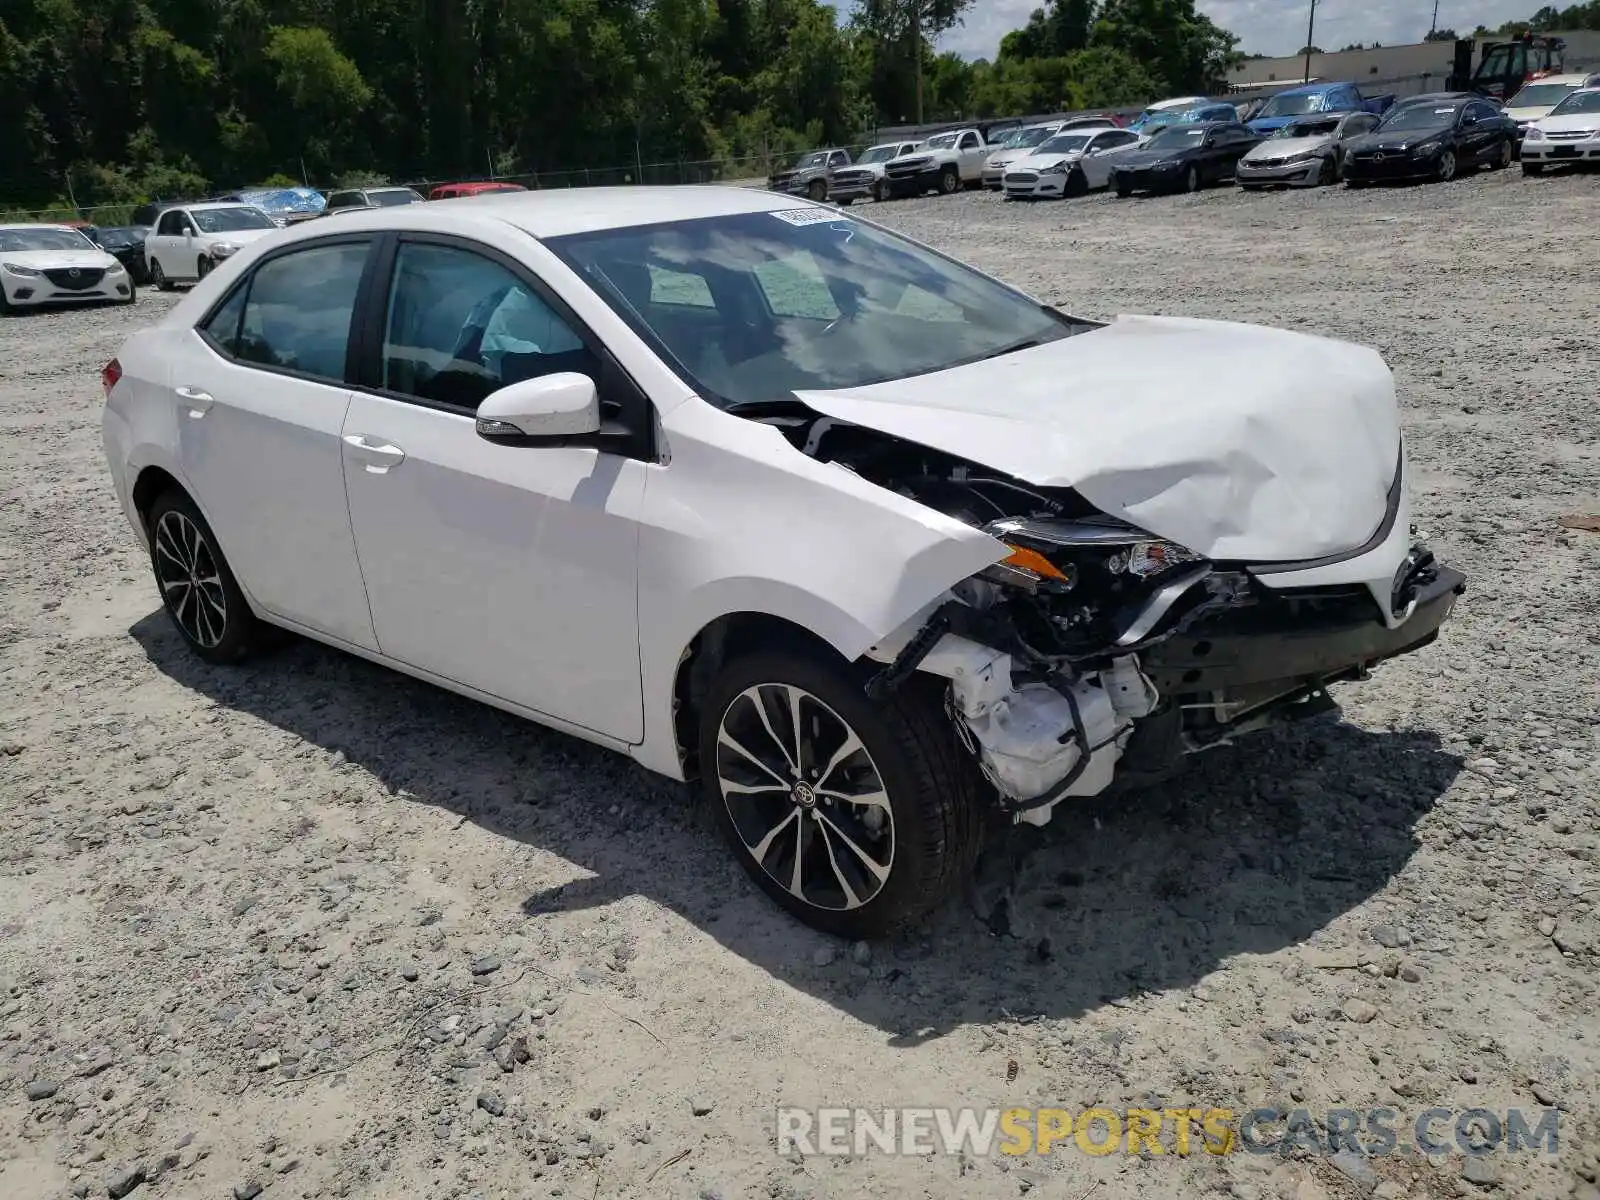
108 101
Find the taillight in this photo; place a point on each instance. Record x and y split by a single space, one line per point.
109 374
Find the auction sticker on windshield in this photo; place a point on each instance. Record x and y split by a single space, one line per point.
808 216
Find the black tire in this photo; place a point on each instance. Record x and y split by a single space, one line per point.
203 268
1191 180
159 277
7 309
1123 192
880 193
1532 168
949 181
1503 159
1077 185
909 753
1355 185
1448 166
817 189
178 531
133 293
1329 172
845 202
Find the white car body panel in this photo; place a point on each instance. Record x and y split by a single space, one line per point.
41 290
1576 134
1264 469
1527 114
1094 163
180 256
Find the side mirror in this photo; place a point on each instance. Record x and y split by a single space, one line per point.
550 408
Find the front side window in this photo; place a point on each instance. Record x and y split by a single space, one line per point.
801 304
969 142
297 310
461 326
1065 143
171 224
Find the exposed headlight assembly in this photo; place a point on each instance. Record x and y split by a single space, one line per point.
1059 168
1132 550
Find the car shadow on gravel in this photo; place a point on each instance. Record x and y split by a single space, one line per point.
1255 848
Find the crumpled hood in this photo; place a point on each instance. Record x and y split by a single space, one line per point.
1275 148
1238 442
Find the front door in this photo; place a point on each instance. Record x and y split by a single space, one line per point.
260 401
510 569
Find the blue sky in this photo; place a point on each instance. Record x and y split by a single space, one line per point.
1270 26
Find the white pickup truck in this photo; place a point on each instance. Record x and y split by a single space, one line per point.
946 162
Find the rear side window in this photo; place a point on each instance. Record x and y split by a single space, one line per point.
297 310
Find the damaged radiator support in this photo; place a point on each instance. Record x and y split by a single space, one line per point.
1041 741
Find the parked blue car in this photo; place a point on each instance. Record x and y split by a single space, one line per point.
1313 98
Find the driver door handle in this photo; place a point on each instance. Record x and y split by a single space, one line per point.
374 455
196 401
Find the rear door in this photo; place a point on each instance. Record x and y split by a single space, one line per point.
260 394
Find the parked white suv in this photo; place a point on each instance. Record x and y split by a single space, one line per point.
946 162
874 547
188 242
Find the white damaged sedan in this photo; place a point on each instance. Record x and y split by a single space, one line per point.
872 546
55 264
1070 163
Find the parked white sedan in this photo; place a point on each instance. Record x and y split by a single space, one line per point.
1071 163
872 545
1568 136
55 264
188 242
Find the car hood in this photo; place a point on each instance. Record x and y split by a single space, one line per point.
42 260
1571 122
1240 442
1271 124
1531 113
1138 159
1036 162
1287 147
1400 139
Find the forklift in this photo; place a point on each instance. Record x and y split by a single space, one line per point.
1506 66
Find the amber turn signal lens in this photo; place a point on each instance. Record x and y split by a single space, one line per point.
1032 560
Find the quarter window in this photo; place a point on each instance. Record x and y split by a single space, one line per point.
461 326
223 325
298 308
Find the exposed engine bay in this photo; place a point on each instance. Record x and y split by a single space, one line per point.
1097 652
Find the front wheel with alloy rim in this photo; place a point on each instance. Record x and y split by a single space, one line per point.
159 277
1447 166
949 181
198 589
1329 172
856 816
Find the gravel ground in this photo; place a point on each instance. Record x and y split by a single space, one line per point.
310 927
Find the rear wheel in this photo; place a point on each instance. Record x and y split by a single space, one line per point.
855 816
159 277
198 589
949 181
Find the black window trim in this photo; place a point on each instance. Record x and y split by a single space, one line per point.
635 436
362 287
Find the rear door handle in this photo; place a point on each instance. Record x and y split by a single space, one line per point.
198 403
376 456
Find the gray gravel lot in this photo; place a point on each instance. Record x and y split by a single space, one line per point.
309 927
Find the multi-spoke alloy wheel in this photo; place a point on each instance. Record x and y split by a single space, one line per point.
856 816
197 587
804 796
189 581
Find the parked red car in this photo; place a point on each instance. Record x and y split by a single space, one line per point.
452 191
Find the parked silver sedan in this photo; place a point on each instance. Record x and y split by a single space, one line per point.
1305 153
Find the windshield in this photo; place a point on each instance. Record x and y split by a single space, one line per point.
122 235
389 197
1065 143
226 220
756 306
1285 105
943 142
1177 139
1540 95
879 154
1028 138
42 238
1578 102
1305 129
1422 116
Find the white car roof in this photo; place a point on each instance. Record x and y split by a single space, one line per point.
1572 81
1179 102
561 211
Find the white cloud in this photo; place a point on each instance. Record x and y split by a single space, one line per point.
1267 26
